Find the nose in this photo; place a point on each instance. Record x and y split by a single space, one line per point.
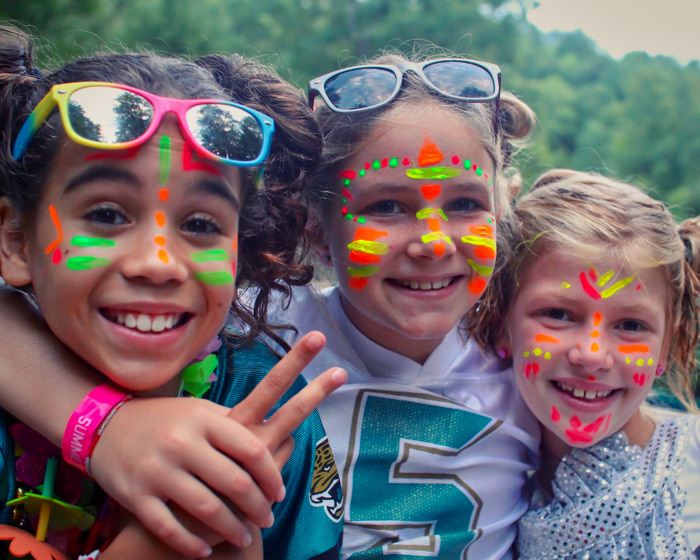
429 240
591 356
152 261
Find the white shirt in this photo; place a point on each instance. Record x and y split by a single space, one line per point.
433 457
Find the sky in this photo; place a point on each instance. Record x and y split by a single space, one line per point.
668 27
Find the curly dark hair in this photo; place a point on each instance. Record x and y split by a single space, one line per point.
272 216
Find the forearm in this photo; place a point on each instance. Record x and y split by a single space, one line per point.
33 365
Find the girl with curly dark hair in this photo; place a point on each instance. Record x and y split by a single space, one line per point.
136 192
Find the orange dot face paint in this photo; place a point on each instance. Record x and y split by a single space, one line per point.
585 346
408 180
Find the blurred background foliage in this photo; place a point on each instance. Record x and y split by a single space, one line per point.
637 118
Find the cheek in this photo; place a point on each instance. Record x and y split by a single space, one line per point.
362 255
478 246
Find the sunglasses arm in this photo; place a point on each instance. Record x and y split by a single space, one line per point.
37 117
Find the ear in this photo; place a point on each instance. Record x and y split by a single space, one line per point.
504 349
14 247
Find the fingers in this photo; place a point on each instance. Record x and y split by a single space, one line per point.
160 521
211 518
240 447
296 409
254 408
232 482
284 452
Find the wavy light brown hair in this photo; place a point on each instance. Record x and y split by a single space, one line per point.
344 133
589 215
272 217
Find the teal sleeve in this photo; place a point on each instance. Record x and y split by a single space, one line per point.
308 522
7 469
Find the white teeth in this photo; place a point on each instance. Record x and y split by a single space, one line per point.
415 285
158 324
581 394
146 323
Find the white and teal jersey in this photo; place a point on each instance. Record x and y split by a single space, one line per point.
433 458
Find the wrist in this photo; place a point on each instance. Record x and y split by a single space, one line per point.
87 422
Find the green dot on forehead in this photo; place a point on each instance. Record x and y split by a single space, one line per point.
376 164
362 172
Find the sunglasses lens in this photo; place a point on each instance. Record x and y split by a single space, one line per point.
226 131
360 88
109 115
461 79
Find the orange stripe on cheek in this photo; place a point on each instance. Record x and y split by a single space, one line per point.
363 258
541 337
633 348
482 231
484 252
369 234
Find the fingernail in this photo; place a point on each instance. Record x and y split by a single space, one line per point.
270 520
338 375
315 341
281 494
247 540
206 552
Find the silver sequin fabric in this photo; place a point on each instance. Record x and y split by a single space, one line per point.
613 501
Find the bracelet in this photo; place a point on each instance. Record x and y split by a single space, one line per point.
86 424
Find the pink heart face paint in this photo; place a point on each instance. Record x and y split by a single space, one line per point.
585 344
133 256
412 232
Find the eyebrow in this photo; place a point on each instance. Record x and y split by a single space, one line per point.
219 189
97 173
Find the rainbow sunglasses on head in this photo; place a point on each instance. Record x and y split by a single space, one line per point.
110 116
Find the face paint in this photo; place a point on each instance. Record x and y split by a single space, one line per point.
485 248
111 300
404 181
53 247
190 162
366 251
608 292
584 348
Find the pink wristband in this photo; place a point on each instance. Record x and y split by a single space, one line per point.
83 428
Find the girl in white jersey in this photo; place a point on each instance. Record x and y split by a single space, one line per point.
600 299
431 440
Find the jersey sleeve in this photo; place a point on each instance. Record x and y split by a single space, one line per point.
308 522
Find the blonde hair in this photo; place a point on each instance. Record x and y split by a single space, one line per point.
587 214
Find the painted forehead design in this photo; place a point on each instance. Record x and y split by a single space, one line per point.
432 166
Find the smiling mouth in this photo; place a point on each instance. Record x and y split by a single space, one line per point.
421 285
587 396
146 322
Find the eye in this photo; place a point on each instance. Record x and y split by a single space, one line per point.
463 205
106 215
632 326
556 314
201 225
383 207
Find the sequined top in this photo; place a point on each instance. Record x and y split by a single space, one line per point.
614 500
